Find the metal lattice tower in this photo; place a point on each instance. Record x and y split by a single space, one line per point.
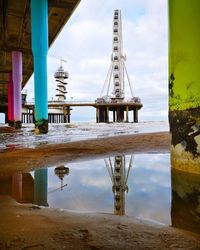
60 76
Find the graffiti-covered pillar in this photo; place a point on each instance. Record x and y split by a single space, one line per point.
184 84
39 38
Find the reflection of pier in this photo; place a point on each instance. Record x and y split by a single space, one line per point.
119 177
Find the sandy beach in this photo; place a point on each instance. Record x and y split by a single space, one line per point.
28 159
32 227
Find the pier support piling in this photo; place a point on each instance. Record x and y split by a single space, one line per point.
135 115
17 87
184 84
10 102
39 37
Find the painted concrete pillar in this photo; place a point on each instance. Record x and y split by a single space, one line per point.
135 115
39 38
184 84
107 115
10 102
114 115
17 87
127 109
40 187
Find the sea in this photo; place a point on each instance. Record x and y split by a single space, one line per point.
59 133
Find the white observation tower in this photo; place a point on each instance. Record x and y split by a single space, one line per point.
60 76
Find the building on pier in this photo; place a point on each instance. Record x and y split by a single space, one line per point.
57 112
117 74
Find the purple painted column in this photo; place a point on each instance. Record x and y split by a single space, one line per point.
17 86
10 102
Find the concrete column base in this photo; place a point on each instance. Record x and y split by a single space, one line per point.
41 126
185 139
17 124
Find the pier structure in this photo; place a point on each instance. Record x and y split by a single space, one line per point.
58 112
115 102
28 29
184 84
119 176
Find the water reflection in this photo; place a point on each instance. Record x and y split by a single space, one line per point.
40 187
61 171
119 177
185 211
19 186
155 192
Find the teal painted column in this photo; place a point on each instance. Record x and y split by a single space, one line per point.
40 187
39 38
17 87
184 84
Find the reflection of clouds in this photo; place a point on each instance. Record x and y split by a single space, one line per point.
90 189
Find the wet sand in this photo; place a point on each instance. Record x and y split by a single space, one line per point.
32 227
28 159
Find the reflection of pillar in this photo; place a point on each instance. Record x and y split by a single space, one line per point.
39 32
17 87
10 102
17 187
185 209
184 84
40 187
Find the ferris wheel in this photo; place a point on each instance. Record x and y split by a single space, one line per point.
117 71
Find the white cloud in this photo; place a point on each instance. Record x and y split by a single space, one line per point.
86 43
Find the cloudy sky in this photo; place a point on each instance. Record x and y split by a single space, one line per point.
86 44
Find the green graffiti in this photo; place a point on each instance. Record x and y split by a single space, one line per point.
184 54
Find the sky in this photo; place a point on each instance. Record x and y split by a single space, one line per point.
85 43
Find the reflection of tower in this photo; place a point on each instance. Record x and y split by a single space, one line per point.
61 171
119 176
60 76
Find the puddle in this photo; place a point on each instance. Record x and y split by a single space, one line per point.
140 185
